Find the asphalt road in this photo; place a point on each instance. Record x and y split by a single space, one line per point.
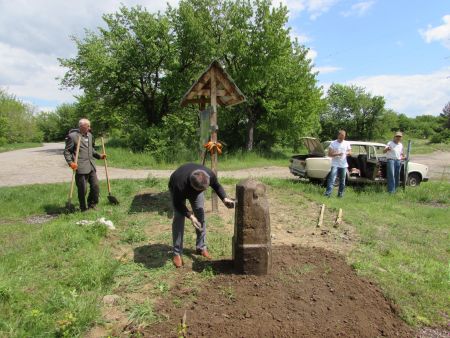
47 165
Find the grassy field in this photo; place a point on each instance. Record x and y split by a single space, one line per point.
124 158
17 146
53 275
404 243
421 146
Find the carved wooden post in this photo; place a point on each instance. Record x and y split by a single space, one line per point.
252 250
214 198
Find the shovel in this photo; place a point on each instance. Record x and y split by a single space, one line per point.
69 206
111 198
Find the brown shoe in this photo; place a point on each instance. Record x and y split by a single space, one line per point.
177 261
204 253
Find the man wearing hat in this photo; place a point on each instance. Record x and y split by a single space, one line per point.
189 182
394 156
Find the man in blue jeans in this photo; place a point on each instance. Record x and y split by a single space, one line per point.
394 156
189 182
338 151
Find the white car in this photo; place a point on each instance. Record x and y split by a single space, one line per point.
367 164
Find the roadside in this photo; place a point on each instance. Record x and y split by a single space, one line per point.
46 165
17 146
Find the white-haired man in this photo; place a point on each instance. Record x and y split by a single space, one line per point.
86 171
189 182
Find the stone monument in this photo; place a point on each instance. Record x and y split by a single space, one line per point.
252 252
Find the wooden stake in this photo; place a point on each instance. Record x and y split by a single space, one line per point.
322 210
338 219
214 198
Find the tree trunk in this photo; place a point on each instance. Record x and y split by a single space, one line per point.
250 135
150 110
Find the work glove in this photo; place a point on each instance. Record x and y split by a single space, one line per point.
195 222
103 156
229 203
73 165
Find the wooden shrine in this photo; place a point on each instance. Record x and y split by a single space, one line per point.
214 87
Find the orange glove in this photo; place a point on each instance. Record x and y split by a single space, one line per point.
73 165
103 156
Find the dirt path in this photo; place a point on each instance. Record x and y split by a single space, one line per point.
437 162
46 165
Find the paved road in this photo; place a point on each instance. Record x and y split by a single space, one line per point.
47 165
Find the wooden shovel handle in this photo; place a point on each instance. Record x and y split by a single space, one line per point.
106 167
73 171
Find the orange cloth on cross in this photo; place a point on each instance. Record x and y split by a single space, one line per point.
213 146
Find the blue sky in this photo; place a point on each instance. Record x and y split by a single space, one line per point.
396 48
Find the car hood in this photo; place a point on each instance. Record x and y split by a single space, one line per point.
313 145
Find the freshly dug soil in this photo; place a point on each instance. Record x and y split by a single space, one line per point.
311 292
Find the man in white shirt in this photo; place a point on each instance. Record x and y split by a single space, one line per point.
338 151
394 156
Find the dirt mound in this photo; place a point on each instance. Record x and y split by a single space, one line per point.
311 292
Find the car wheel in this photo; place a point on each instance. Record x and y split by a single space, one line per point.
414 180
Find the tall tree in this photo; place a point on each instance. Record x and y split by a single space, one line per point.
251 39
123 66
351 108
139 66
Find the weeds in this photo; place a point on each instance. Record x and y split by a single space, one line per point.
143 314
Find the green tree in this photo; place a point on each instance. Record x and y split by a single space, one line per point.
17 122
55 125
122 68
351 108
139 66
251 40
445 115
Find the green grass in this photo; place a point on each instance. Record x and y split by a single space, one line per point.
421 146
125 158
404 242
53 276
17 146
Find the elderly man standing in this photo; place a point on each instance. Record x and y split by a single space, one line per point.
394 156
338 151
189 182
86 171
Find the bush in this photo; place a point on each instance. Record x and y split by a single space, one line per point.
173 139
442 137
17 123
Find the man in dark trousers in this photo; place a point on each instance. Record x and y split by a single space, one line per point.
189 182
86 172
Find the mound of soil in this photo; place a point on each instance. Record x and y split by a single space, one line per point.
311 292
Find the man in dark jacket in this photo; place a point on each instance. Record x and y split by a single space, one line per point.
86 171
189 182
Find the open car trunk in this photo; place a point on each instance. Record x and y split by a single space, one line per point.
315 149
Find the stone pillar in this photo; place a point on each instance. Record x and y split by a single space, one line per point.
252 252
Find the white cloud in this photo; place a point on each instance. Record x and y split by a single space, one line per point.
358 9
30 75
33 34
312 54
411 94
314 8
439 33
302 38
